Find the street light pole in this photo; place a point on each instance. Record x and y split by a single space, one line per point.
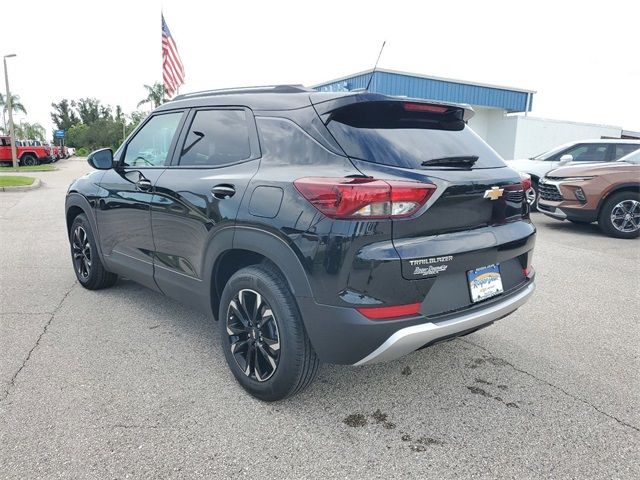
12 136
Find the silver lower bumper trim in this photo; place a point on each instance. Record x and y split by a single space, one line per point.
411 338
556 213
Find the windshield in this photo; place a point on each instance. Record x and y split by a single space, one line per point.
633 157
385 133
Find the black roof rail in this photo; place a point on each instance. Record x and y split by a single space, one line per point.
242 90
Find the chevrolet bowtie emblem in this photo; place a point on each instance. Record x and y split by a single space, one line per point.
493 194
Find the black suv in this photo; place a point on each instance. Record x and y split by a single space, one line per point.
348 228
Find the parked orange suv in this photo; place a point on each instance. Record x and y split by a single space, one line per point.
607 193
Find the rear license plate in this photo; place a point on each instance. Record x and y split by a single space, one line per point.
484 282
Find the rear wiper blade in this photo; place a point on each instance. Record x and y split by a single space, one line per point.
464 161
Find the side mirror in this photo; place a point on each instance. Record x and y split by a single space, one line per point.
566 159
101 159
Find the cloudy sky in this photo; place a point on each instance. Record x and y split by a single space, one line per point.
582 59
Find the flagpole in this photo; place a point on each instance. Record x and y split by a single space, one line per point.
162 53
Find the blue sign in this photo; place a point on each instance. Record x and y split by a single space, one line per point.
58 133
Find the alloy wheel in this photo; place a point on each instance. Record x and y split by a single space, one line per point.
625 216
531 196
253 335
81 252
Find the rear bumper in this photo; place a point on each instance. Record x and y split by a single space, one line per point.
343 336
412 338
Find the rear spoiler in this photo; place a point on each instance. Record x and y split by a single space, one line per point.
325 104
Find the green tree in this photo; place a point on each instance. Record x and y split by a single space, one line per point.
90 110
63 115
30 131
155 95
135 118
16 107
90 124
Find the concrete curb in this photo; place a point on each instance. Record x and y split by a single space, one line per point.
36 184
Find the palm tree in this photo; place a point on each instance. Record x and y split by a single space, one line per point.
16 106
30 131
155 95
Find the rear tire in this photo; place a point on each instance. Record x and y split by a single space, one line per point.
259 320
29 160
84 255
620 215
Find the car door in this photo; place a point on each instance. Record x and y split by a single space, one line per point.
198 196
124 198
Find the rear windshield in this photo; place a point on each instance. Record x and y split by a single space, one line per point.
383 132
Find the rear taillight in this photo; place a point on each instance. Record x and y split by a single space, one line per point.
385 313
365 198
525 180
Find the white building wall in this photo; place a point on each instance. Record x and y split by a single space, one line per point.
536 135
502 136
519 136
495 128
480 121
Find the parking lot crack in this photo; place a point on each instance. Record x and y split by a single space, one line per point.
14 377
555 387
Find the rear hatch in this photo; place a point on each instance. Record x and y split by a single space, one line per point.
431 143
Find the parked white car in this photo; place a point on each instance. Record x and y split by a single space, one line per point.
574 153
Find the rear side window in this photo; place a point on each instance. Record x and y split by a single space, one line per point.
623 149
384 133
216 138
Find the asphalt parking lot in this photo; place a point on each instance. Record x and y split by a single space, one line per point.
123 383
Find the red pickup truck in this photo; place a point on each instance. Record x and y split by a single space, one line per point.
27 154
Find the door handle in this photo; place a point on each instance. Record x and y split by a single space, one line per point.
223 191
144 185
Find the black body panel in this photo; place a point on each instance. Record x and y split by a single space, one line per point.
174 236
123 217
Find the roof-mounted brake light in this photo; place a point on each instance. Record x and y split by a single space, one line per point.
424 107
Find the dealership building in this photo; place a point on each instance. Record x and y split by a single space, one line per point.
501 117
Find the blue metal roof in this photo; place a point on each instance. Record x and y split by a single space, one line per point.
389 82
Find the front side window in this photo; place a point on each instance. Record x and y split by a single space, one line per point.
150 146
216 138
592 152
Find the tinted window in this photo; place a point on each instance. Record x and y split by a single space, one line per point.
591 152
633 157
284 143
382 132
150 146
216 137
623 149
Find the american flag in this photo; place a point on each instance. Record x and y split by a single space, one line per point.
172 69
